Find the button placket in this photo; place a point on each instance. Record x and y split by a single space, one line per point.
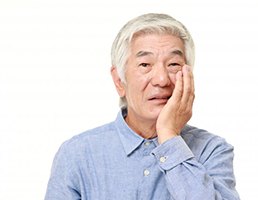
147 148
147 160
146 144
146 172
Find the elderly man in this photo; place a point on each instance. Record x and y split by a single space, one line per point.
149 151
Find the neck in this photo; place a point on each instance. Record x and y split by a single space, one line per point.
146 129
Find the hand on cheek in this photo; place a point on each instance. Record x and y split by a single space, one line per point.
178 110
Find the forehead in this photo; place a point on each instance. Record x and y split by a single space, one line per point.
156 43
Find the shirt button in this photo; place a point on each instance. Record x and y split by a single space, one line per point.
162 159
147 143
146 172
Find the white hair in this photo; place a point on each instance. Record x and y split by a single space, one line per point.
151 23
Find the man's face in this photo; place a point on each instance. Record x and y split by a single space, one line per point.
150 74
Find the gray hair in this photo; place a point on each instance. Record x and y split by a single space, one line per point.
151 23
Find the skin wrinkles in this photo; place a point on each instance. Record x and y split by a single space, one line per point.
146 53
152 67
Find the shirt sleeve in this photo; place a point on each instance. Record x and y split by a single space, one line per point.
188 178
62 182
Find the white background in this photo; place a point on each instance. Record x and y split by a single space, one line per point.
55 80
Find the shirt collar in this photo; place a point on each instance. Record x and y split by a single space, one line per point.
130 140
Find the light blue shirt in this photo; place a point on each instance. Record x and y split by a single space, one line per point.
112 162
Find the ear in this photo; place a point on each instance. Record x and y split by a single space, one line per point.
120 87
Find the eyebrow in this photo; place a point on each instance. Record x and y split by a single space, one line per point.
173 53
143 53
177 52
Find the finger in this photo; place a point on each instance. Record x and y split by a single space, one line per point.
192 96
192 81
189 104
178 90
188 85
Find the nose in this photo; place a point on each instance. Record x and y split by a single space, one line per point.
160 76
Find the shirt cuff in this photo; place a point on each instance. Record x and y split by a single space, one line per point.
172 152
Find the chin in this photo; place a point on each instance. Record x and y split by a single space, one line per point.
154 113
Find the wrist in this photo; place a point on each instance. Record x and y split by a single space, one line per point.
164 135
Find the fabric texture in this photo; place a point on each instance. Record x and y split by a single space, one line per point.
112 162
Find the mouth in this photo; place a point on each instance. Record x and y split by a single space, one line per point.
161 99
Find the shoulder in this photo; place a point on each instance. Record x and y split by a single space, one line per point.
193 134
204 143
98 132
94 138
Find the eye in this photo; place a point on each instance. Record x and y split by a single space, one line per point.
174 67
174 64
144 64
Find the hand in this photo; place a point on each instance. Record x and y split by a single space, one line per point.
178 110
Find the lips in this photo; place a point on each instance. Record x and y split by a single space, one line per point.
159 97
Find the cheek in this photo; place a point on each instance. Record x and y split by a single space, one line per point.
143 82
137 89
173 79
139 82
